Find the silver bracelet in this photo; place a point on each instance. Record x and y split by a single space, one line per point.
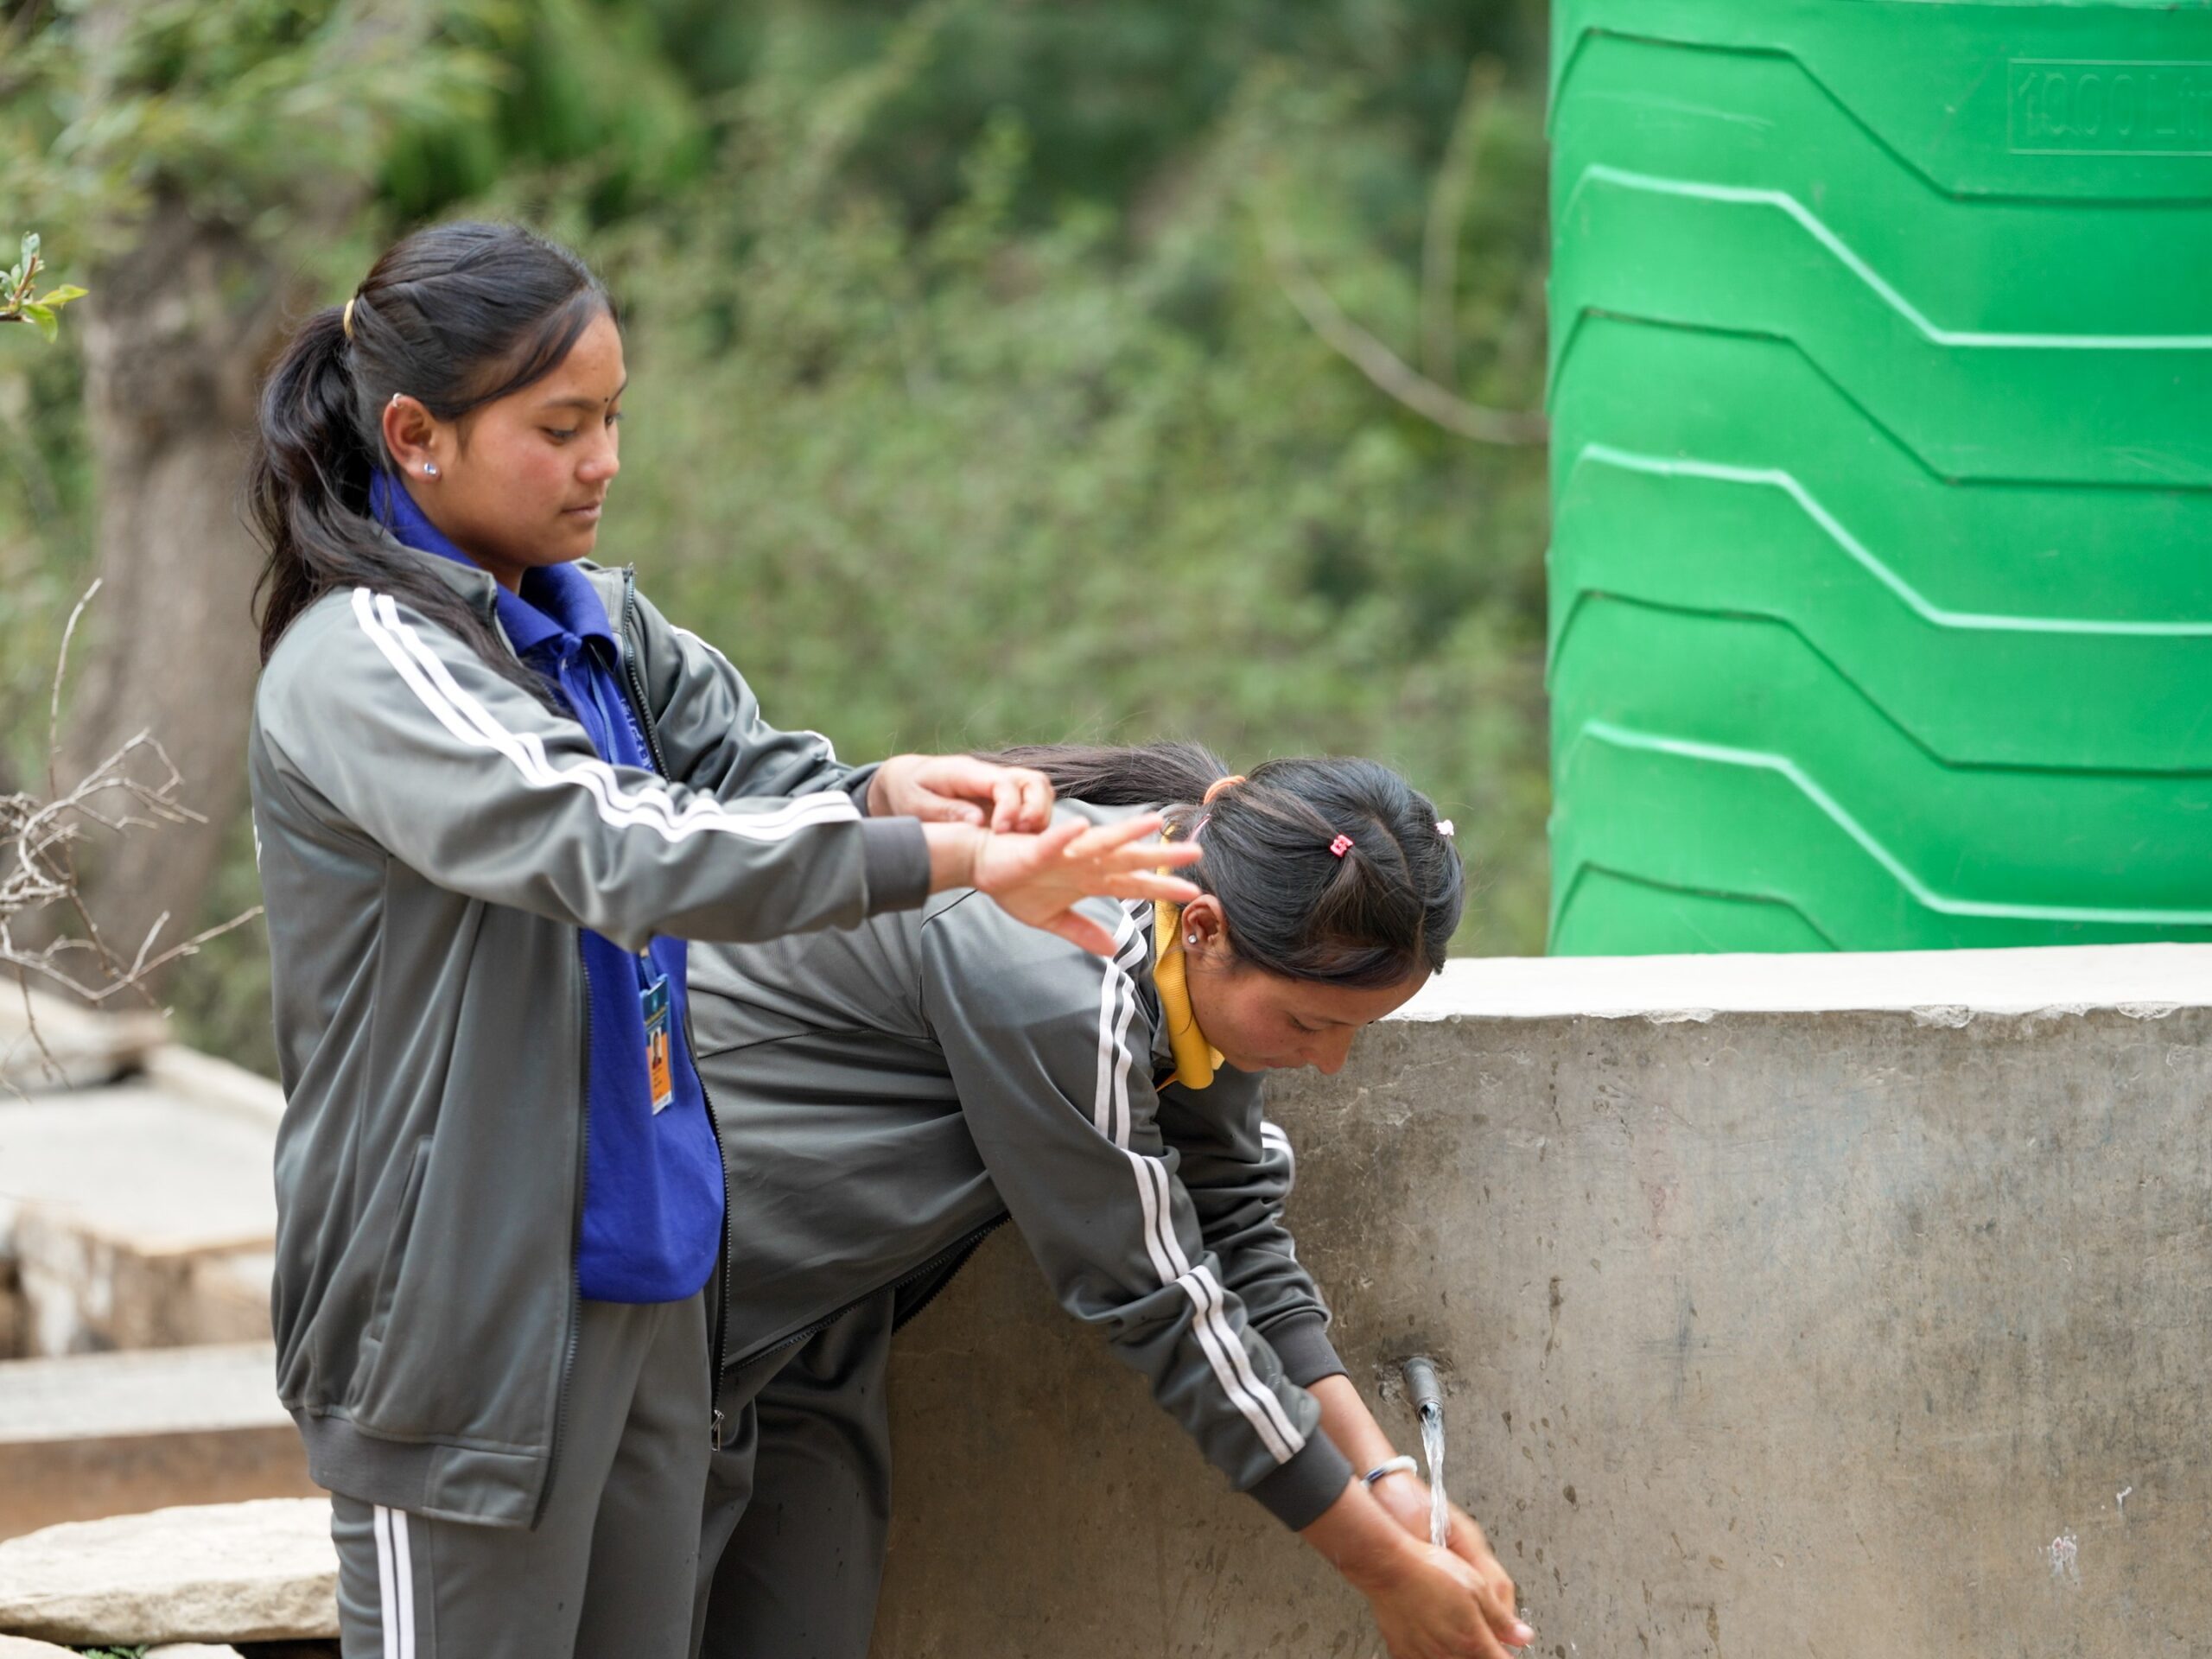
1401 1464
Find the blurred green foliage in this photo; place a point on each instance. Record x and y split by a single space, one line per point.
966 406
254 110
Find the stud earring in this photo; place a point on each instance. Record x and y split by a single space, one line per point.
1189 938
429 469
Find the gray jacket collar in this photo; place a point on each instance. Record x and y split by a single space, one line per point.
481 589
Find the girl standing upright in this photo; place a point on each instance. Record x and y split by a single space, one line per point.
494 791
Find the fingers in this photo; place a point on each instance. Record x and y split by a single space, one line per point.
1504 1625
1471 1547
1056 840
1036 809
1514 1628
1495 1625
1499 1599
1040 875
933 788
1021 800
961 789
933 807
1130 860
1110 837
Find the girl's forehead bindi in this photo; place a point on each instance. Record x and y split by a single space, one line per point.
574 400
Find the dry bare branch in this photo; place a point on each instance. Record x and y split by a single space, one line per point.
1448 200
135 788
1388 371
60 674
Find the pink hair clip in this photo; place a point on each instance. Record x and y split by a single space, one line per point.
1340 846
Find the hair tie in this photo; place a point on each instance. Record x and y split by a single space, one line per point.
1340 846
1214 788
1444 828
346 322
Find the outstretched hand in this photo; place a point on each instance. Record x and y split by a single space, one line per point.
1038 878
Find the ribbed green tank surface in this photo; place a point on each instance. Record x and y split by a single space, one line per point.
1881 389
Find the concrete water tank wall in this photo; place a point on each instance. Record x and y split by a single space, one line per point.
1881 616
1807 1305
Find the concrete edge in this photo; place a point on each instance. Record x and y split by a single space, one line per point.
1935 987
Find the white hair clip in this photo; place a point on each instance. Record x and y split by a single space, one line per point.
1444 828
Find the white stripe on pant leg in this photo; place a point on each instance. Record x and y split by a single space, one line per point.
387 1616
403 1560
395 1583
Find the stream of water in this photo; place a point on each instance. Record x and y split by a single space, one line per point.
1432 1450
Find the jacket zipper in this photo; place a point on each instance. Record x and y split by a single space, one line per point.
950 1261
635 680
956 1253
575 1244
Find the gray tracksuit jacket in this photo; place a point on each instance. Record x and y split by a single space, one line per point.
431 841
889 1094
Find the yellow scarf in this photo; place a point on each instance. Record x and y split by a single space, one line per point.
1196 1060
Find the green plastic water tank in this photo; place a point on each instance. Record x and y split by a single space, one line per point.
1881 385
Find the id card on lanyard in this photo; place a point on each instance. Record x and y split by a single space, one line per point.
660 1071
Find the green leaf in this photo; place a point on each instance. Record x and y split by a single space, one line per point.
30 246
48 324
61 296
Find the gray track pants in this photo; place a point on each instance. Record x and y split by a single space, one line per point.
798 1500
608 1573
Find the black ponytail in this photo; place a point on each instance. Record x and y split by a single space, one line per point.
456 316
1383 910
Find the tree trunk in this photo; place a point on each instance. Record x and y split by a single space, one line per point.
175 338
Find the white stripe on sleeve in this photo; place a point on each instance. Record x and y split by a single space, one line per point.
1217 1338
650 805
1229 1359
1110 988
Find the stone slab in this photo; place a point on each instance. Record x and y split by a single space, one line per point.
128 1215
71 1046
1765 1333
86 1293
131 1166
191 1078
17 1647
103 1435
257 1571
230 1296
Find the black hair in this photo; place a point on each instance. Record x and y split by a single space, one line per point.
1373 916
456 316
